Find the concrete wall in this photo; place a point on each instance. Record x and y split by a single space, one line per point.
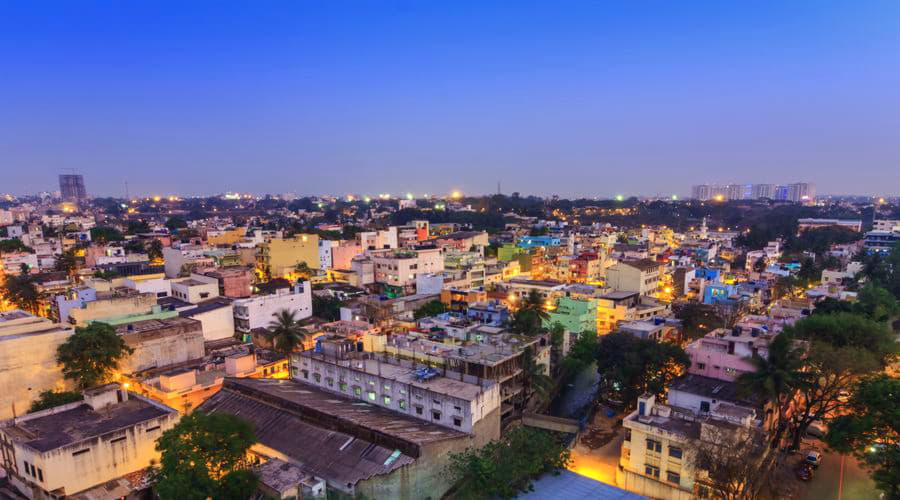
217 324
28 367
117 306
177 341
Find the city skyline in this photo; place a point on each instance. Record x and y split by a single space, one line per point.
590 100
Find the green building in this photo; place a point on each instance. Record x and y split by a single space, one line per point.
574 315
509 251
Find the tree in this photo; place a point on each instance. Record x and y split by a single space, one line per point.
877 303
870 430
51 399
327 308
173 224
698 319
582 354
285 333
760 265
67 262
531 315
428 309
138 227
557 337
733 461
504 468
630 366
154 250
303 271
204 456
833 372
847 330
91 354
22 291
535 378
134 246
14 245
776 377
105 234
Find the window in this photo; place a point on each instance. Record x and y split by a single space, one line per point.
317 376
402 404
371 395
403 392
151 429
329 381
701 366
704 406
372 383
40 475
652 471
674 452
386 387
118 439
436 401
418 410
343 386
305 374
357 390
673 477
457 421
27 470
653 445
387 400
80 452
457 408
436 415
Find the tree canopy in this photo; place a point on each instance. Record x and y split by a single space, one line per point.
91 354
52 399
847 330
204 456
505 468
428 309
630 366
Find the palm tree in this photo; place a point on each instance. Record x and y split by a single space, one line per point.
303 270
777 377
534 302
534 377
285 334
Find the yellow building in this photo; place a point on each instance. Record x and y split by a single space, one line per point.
278 257
226 237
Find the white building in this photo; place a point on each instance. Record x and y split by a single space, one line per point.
258 311
195 289
880 225
85 447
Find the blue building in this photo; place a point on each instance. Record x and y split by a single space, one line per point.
539 241
491 313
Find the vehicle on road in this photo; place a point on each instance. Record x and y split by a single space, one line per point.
813 458
804 471
817 429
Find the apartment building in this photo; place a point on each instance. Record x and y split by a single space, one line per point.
28 347
617 307
195 289
641 276
277 258
258 311
158 343
396 270
87 448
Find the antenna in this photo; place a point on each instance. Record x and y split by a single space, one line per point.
127 196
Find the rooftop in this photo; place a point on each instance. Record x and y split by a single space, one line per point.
55 430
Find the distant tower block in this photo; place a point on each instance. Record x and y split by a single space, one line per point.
71 187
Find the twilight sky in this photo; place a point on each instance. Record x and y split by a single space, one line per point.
573 98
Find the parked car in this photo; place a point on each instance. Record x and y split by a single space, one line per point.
803 471
817 429
813 458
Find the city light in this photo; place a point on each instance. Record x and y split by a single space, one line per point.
456 195
674 197
619 197
409 196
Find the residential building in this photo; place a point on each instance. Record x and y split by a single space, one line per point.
158 343
28 347
234 282
195 289
460 300
641 276
258 311
809 223
801 192
87 448
574 315
71 187
396 270
118 302
278 258
616 307
881 241
182 259
216 317
881 225
726 354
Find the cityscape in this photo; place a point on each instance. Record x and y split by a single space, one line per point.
420 251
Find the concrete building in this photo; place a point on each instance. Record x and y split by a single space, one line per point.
159 343
28 360
234 282
85 448
617 307
216 317
886 225
641 276
357 448
71 187
197 288
258 311
182 259
396 270
726 354
574 315
881 241
277 258
118 302
808 223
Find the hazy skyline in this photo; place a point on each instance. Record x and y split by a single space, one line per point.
574 98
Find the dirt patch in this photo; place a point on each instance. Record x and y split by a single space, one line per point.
594 437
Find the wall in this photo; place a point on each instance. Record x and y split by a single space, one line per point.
116 306
172 342
256 312
217 323
28 367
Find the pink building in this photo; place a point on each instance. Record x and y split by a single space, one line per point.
725 354
342 254
234 282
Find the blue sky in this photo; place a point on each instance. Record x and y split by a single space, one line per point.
571 98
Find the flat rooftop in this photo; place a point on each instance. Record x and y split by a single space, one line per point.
499 348
49 432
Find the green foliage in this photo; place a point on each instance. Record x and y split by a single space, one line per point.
303 271
134 246
285 333
138 227
327 308
870 430
52 399
175 223
776 376
582 353
432 308
877 303
154 250
90 355
14 245
847 330
630 366
203 456
505 468
105 234
67 262
820 240
21 291
535 378
698 319
531 315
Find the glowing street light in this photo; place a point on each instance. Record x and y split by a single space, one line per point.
619 197
456 195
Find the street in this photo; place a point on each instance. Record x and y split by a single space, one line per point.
826 484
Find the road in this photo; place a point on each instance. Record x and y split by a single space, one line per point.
824 486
